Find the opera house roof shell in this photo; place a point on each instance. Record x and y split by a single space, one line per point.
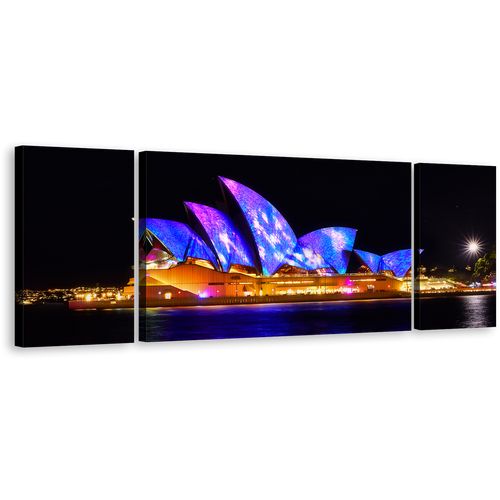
398 262
229 244
253 233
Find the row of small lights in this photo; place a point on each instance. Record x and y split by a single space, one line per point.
475 290
257 154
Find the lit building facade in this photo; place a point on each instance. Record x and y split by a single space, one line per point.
245 247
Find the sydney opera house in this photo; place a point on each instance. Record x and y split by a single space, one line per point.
245 247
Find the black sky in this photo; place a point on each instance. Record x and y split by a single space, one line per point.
79 203
457 202
372 197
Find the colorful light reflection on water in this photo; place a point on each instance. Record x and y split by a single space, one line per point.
271 320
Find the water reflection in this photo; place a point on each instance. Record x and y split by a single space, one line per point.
268 320
467 311
475 310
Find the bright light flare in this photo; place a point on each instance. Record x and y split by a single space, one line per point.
472 246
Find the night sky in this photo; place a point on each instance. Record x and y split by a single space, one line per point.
457 202
78 209
79 204
372 197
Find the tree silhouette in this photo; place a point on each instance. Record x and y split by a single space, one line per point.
486 266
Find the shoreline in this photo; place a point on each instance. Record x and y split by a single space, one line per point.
430 293
216 301
277 299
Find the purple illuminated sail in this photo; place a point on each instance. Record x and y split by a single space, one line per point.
180 240
273 236
305 258
330 243
229 243
398 262
370 260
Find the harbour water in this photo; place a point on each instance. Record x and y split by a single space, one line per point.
464 311
271 320
54 324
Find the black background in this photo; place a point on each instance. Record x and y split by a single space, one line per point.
370 196
78 205
78 208
455 203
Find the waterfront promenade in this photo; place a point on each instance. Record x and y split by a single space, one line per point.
216 301
460 291
280 299
100 304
